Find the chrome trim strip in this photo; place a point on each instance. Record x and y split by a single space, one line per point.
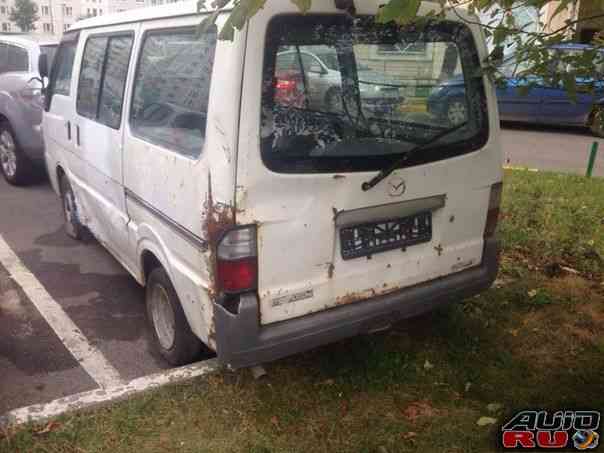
186 234
389 211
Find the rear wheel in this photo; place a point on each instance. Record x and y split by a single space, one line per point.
73 226
15 167
173 336
596 124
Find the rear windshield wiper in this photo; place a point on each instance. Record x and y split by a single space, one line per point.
384 173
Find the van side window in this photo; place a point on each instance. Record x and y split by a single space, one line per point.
89 85
103 79
64 60
172 89
114 81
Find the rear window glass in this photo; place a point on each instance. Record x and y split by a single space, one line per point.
343 94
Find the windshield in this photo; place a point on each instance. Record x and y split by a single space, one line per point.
345 94
50 52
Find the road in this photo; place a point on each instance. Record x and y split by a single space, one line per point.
549 148
107 305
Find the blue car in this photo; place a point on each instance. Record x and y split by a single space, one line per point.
542 105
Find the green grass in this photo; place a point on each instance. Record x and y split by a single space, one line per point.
552 217
535 341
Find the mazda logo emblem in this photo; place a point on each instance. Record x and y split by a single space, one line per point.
396 186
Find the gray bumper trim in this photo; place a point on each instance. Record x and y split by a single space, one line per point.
241 341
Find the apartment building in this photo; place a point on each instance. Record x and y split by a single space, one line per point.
56 16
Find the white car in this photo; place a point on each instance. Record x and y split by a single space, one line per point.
262 227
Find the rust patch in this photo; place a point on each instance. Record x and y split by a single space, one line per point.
216 218
363 295
439 249
212 332
330 269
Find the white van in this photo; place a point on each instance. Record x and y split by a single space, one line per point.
282 190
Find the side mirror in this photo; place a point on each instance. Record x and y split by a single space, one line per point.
496 56
43 65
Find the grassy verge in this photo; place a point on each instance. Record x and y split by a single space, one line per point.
536 339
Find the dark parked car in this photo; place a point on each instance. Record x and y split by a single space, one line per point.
544 104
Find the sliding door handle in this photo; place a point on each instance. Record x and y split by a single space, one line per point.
78 135
69 130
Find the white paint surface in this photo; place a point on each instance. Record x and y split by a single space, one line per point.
39 412
88 356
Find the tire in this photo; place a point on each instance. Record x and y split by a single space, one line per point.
15 166
73 225
596 123
171 331
456 112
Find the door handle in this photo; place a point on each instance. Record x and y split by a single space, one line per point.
69 130
78 135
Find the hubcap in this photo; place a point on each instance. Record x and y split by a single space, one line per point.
70 212
163 317
8 158
456 113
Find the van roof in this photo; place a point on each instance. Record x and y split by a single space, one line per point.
183 8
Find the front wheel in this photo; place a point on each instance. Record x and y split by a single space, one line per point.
596 124
14 165
171 331
73 226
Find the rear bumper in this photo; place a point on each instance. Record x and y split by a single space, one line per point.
241 341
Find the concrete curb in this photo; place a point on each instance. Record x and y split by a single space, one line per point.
97 397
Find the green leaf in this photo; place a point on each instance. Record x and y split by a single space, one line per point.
400 11
499 35
303 5
484 4
570 85
207 23
242 12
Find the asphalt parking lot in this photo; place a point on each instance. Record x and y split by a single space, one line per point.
104 302
78 323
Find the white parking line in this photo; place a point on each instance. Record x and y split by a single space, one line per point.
93 398
88 356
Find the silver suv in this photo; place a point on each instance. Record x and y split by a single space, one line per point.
21 104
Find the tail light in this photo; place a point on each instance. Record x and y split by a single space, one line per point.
493 213
237 261
286 85
289 90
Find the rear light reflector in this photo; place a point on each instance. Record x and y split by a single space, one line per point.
237 276
493 212
286 85
237 261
